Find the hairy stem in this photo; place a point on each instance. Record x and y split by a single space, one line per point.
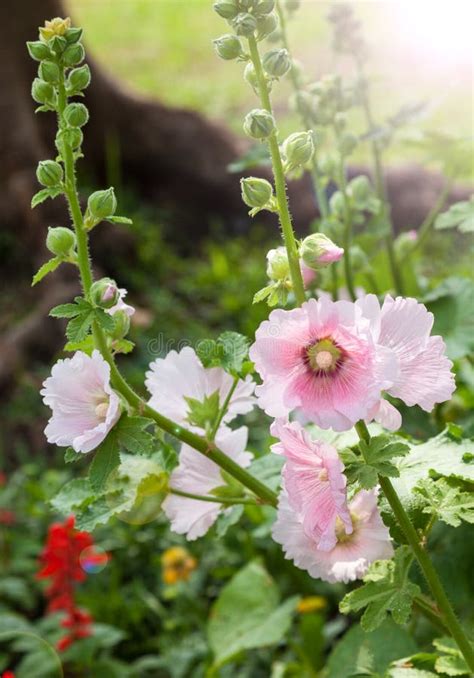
448 615
222 412
279 177
215 500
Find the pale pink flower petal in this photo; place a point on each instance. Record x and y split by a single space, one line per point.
84 405
199 475
308 274
181 375
321 359
121 305
315 482
352 555
385 414
425 376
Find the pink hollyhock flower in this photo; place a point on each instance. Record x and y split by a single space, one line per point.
121 305
424 375
84 405
352 554
181 375
199 475
318 251
315 483
321 359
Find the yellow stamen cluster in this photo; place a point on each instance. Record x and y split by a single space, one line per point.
177 565
54 27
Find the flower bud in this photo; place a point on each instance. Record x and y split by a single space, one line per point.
55 27
73 35
256 192
250 76
276 62
263 7
259 123
61 241
76 115
105 293
102 204
359 259
227 9
405 242
298 149
244 24
327 165
228 47
266 25
122 325
278 267
57 44
347 143
318 251
337 203
49 173
38 50
303 103
79 79
43 92
49 71
360 189
73 54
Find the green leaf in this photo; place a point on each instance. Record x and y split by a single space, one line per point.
71 456
267 469
44 194
376 459
247 614
87 345
262 294
386 589
203 414
79 327
105 320
73 496
371 653
228 518
119 220
452 304
65 311
451 662
106 459
235 351
446 501
46 268
132 436
123 346
460 216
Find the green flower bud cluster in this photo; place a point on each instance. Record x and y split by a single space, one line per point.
347 37
247 18
276 63
362 195
61 242
259 124
100 206
258 194
324 102
298 151
49 173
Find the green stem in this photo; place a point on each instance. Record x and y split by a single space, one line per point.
223 410
215 500
448 615
279 177
427 225
425 606
380 182
200 444
347 238
318 187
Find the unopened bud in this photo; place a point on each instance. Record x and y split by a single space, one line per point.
405 242
250 76
318 251
276 62
327 165
278 268
360 189
347 143
122 325
298 149
337 203
266 25
49 173
73 54
60 241
102 204
73 35
43 92
227 9
244 24
105 293
263 7
38 50
256 192
303 103
228 47
359 259
259 123
49 71
55 27
79 79
57 44
76 115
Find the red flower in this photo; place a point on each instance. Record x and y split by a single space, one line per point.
7 517
8 674
61 564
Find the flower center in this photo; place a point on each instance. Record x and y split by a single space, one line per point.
323 475
341 535
323 356
102 409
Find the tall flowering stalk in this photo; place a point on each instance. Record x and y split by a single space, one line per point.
61 565
329 362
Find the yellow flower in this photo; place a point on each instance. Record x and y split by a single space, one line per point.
177 564
311 604
54 27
